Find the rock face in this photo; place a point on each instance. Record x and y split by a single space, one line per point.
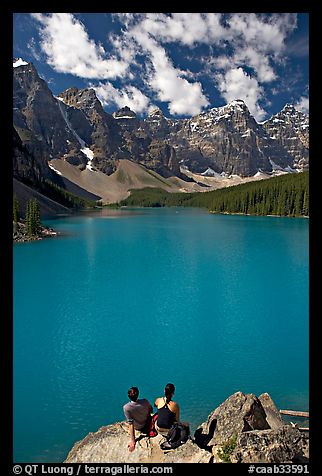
283 445
273 416
39 121
235 415
228 139
109 445
254 428
289 129
243 429
75 128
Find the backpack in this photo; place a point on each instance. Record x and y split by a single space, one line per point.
177 435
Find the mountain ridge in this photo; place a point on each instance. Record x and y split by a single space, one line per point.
221 142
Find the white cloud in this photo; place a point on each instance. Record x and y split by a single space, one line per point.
183 97
129 96
237 42
264 33
33 48
303 104
242 40
69 49
236 84
257 61
186 28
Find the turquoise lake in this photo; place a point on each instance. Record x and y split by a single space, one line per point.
211 303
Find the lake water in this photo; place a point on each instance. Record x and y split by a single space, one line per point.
211 303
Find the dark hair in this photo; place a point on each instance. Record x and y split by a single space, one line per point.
169 391
133 393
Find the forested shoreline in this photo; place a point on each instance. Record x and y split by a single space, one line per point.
285 195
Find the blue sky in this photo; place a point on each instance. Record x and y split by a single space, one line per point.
184 63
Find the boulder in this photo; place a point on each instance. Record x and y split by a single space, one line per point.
109 445
236 414
283 445
273 416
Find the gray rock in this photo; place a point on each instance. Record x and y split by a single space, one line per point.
109 445
236 414
273 416
283 445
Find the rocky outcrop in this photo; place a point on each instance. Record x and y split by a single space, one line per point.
273 416
235 415
109 445
20 234
283 445
243 429
249 429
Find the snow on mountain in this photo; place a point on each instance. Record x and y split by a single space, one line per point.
19 62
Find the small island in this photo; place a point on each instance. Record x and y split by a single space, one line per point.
20 233
29 228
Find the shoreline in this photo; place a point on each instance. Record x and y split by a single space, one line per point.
257 215
213 212
20 233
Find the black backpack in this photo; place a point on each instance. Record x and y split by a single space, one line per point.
177 435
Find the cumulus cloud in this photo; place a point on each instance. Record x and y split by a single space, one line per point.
185 28
257 42
236 84
129 96
69 49
242 41
255 60
168 83
34 50
303 104
264 33
241 54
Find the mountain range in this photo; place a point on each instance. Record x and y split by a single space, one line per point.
71 141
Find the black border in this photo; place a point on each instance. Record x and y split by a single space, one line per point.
315 242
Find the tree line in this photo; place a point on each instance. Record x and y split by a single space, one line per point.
62 196
284 195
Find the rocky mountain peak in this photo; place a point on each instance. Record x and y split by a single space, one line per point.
79 98
156 113
69 92
16 62
236 106
237 103
289 109
291 115
124 113
26 71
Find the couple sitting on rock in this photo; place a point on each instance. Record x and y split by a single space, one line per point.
138 413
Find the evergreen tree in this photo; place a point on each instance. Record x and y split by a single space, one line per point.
15 209
285 195
33 217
